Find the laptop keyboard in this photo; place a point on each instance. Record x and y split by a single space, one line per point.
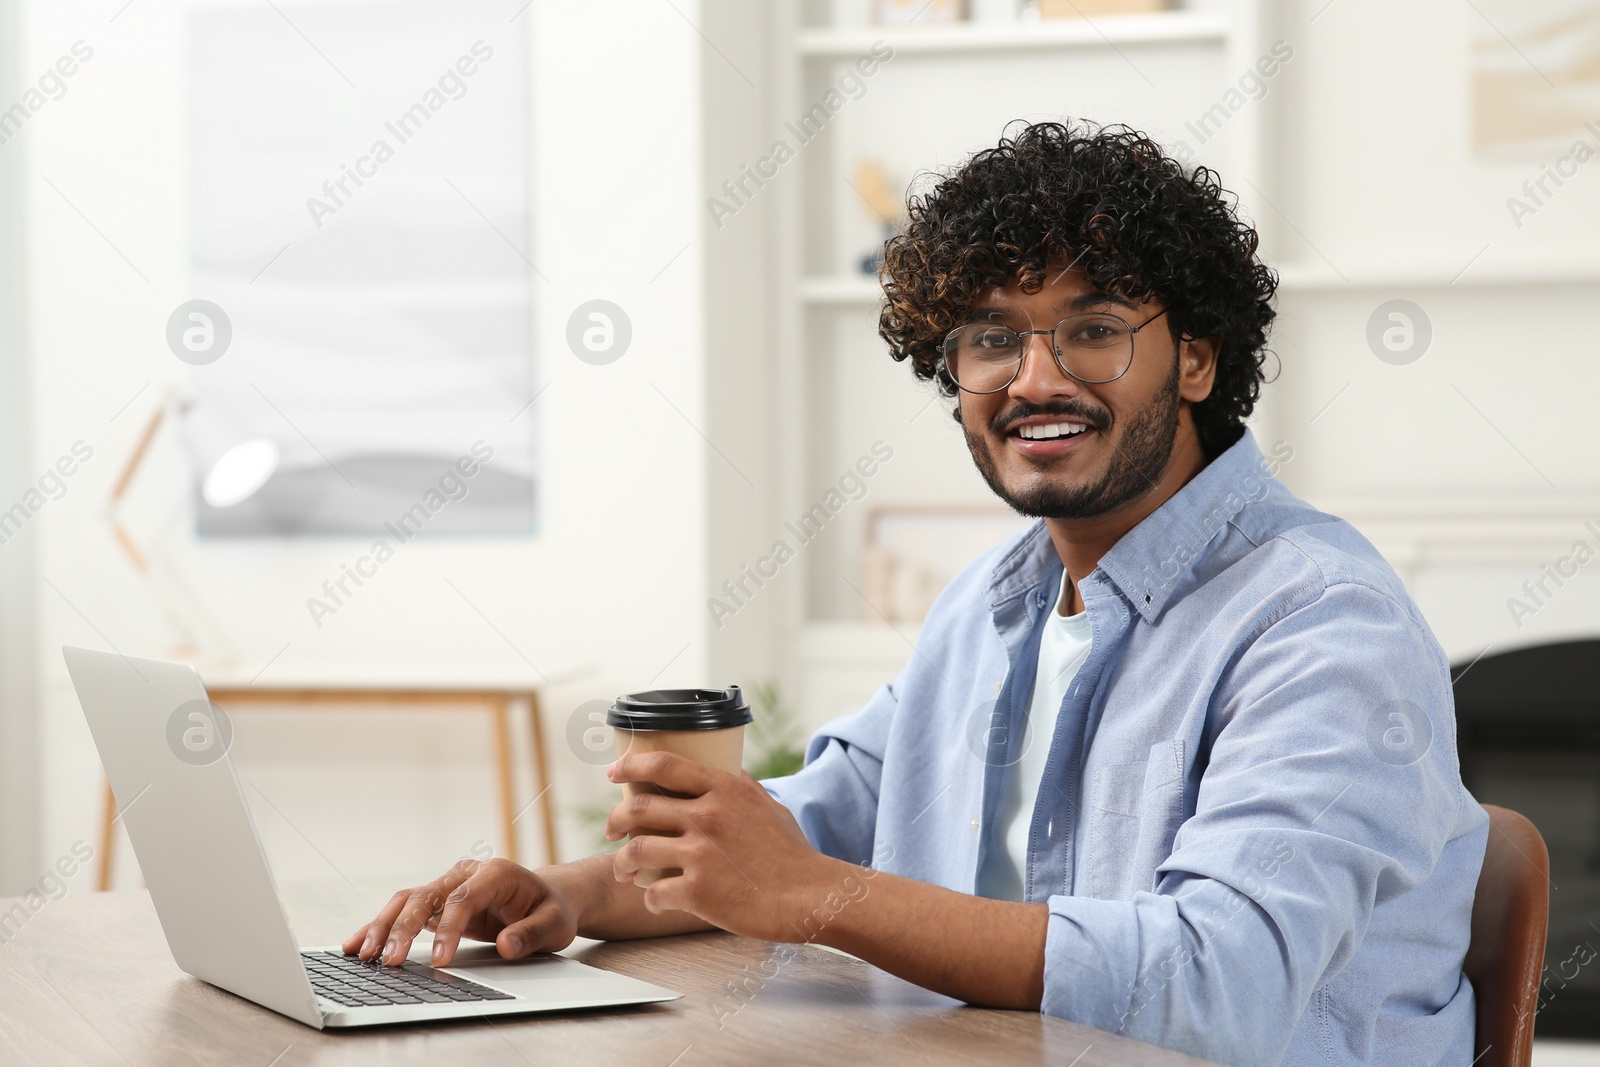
348 981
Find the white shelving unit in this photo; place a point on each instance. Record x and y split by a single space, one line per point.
948 90
967 37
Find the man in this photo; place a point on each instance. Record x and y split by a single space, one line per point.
1177 762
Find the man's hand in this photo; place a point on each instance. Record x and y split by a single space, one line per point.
499 901
747 867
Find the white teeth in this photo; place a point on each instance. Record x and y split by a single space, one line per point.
1058 429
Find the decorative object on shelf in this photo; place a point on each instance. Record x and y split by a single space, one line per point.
994 11
872 183
1072 9
1535 75
912 552
896 589
922 12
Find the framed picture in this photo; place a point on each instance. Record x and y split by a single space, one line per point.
1535 71
912 552
1072 9
361 217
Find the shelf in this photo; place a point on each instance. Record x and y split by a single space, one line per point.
859 289
1567 511
1104 31
1553 268
1319 277
1468 529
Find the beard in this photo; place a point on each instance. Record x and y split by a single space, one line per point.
1138 461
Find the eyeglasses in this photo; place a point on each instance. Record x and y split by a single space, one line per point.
986 357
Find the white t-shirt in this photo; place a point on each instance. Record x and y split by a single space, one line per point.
1063 647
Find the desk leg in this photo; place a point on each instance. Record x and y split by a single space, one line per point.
108 837
502 750
547 803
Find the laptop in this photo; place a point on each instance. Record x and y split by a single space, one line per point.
165 754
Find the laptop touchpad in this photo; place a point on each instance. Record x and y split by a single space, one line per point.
481 963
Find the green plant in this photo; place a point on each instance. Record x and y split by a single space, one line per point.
775 748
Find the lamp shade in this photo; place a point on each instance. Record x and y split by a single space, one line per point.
230 465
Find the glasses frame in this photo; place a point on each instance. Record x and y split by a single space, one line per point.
1055 353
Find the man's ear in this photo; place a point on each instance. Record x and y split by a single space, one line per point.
1197 366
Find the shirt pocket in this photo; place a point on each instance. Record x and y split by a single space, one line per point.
1134 812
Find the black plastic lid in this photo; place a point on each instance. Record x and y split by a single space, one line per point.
680 709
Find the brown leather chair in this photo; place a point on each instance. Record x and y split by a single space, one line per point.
1510 917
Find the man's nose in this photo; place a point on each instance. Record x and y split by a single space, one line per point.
1041 375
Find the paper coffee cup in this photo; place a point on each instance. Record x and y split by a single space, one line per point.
703 725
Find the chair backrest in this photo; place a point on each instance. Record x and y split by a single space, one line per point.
1510 917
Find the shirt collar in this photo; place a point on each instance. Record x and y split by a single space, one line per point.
1150 560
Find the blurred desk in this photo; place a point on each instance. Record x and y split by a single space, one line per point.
88 980
390 687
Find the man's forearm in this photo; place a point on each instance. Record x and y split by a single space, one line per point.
610 910
987 952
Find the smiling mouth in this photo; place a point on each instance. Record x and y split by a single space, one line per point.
1049 440
1050 431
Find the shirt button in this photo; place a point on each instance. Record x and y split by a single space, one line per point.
974 825
997 683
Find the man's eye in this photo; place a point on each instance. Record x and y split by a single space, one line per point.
1097 335
996 339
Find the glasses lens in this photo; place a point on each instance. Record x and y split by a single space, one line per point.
982 357
1095 348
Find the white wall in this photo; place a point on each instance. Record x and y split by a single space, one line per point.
742 272
613 579
18 721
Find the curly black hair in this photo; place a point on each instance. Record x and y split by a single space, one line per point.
1133 218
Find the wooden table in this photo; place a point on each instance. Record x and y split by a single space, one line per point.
396 688
88 980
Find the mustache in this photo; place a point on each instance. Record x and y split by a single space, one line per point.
1000 425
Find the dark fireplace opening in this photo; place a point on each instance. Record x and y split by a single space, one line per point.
1528 723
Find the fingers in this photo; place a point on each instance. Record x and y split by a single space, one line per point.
667 770
366 941
646 811
352 944
414 915
547 929
491 887
649 852
670 894
656 853
407 912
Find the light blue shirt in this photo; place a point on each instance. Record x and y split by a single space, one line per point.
1251 831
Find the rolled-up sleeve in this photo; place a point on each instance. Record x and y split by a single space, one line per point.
834 797
1331 788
